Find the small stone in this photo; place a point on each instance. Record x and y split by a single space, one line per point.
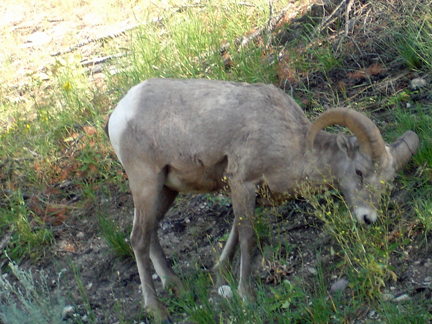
402 298
67 311
417 83
155 276
312 271
80 235
339 285
373 314
89 285
225 291
36 39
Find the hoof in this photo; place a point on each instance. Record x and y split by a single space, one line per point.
159 312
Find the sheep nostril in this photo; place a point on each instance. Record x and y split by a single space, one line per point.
366 220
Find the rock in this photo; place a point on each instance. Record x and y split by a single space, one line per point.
68 310
36 39
339 285
373 314
312 271
401 298
417 83
80 235
225 291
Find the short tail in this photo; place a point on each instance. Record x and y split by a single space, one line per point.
106 126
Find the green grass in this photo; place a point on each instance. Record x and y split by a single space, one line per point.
53 133
116 238
414 40
189 47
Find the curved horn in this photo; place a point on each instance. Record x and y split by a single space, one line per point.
368 135
404 147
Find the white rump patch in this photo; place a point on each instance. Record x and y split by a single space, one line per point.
120 117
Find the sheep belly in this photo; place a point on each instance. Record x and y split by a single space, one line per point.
199 180
197 177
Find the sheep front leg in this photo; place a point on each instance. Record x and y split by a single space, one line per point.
243 200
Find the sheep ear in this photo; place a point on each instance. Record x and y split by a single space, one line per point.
347 144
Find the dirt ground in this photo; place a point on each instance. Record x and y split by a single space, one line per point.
190 235
191 232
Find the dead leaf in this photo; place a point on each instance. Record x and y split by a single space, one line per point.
90 130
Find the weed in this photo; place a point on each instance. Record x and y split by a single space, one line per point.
364 254
29 300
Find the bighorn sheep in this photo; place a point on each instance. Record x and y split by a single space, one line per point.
190 135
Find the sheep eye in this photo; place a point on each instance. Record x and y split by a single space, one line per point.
359 173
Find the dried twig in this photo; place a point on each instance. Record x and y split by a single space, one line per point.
111 35
121 31
347 12
332 17
100 60
36 155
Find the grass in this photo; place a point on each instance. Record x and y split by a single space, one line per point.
52 135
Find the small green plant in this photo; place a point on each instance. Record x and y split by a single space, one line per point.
29 300
115 238
28 231
423 211
91 317
285 296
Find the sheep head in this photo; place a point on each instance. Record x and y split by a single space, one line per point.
368 162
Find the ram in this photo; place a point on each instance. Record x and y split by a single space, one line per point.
199 136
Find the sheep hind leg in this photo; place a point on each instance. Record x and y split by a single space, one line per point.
147 191
157 255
